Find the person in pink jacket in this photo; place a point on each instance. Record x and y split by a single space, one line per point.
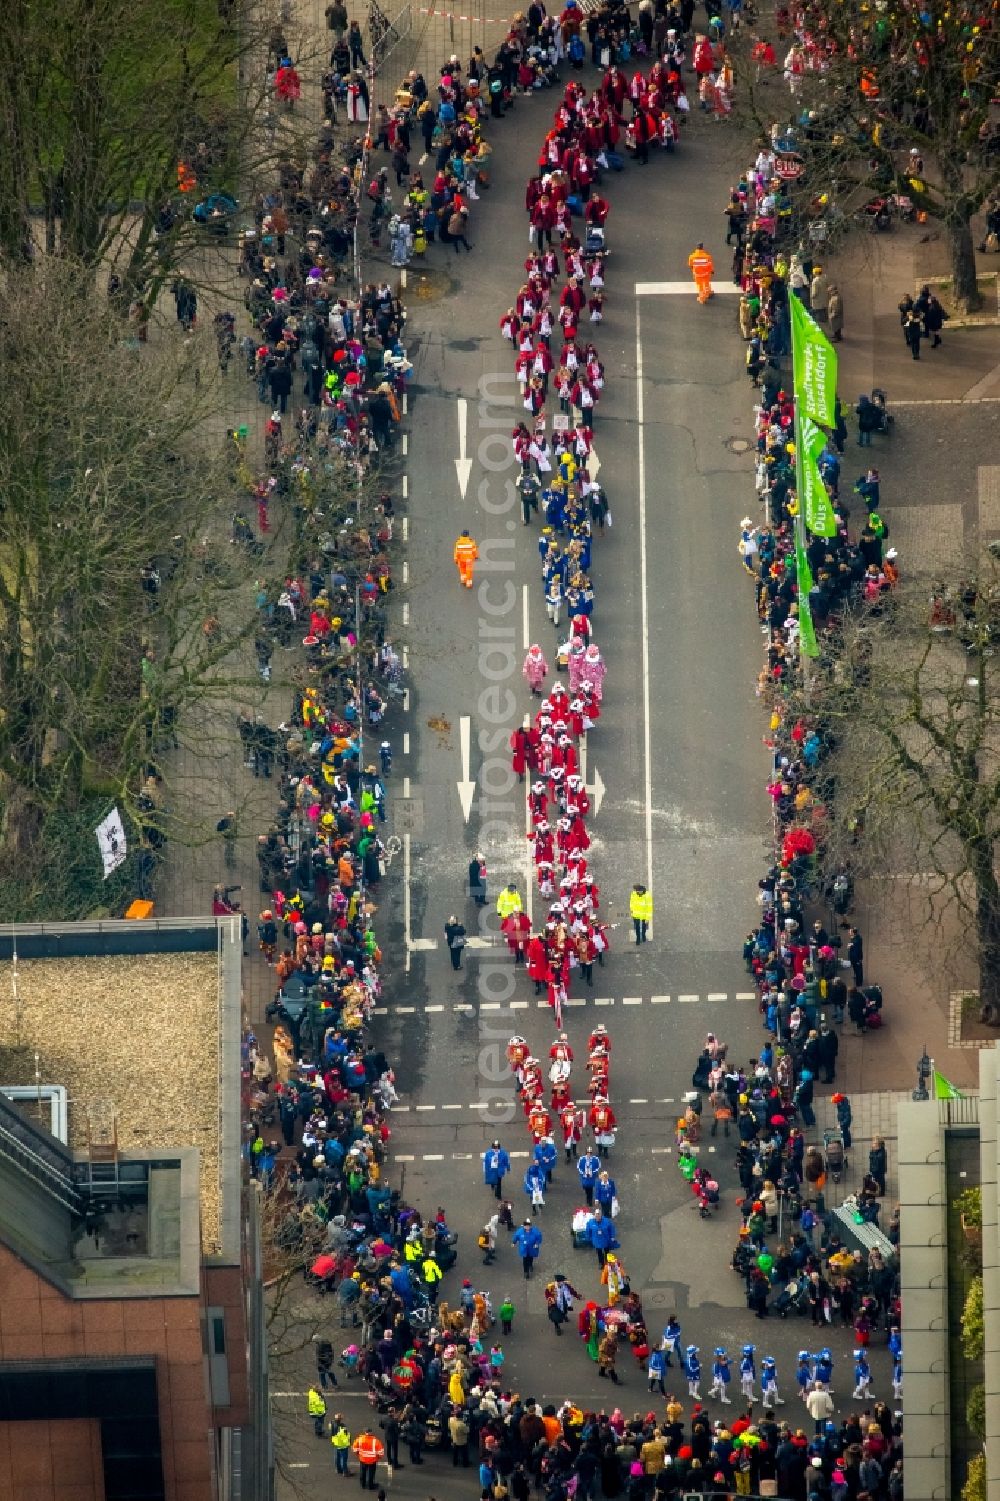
535 668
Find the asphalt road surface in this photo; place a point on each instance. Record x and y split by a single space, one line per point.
677 749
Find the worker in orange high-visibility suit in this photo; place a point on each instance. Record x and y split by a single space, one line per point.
702 270
466 553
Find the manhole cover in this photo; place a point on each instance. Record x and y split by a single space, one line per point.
427 286
736 445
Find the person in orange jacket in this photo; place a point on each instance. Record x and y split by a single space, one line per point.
702 270
369 1450
466 553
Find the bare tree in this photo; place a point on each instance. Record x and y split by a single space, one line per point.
912 710
894 83
122 601
118 116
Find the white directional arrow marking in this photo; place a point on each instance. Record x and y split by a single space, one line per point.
596 789
466 787
463 466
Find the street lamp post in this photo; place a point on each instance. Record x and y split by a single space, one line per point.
925 1067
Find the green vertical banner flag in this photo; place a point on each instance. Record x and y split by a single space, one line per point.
817 508
944 1089
804 581
814 367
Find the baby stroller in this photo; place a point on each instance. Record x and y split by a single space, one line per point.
885 417
793 1298
836 1160
594 243
873 1007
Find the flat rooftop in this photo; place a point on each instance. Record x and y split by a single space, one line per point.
147 1035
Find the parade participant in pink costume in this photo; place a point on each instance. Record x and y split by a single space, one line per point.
535 668
593 670
577 653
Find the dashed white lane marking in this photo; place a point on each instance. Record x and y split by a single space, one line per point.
629 1000
503 1100
662 1151
406 572
406 742
406 612
406 486
406 445
406 700
433 1157
406 528
406 787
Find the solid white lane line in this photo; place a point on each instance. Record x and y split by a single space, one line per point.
406 900
644 598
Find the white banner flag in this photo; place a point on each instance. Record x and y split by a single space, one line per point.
111 838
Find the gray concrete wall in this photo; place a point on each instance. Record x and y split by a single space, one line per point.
923 1270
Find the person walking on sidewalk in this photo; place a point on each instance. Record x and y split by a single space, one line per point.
640 908
466 553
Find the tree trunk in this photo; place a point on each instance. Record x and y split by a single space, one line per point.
987 932
963 266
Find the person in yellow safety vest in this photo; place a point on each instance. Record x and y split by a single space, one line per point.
466 553
340 1438
369 1450
432 1276
317 1411
413 1247
508 901
640 909
702 270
